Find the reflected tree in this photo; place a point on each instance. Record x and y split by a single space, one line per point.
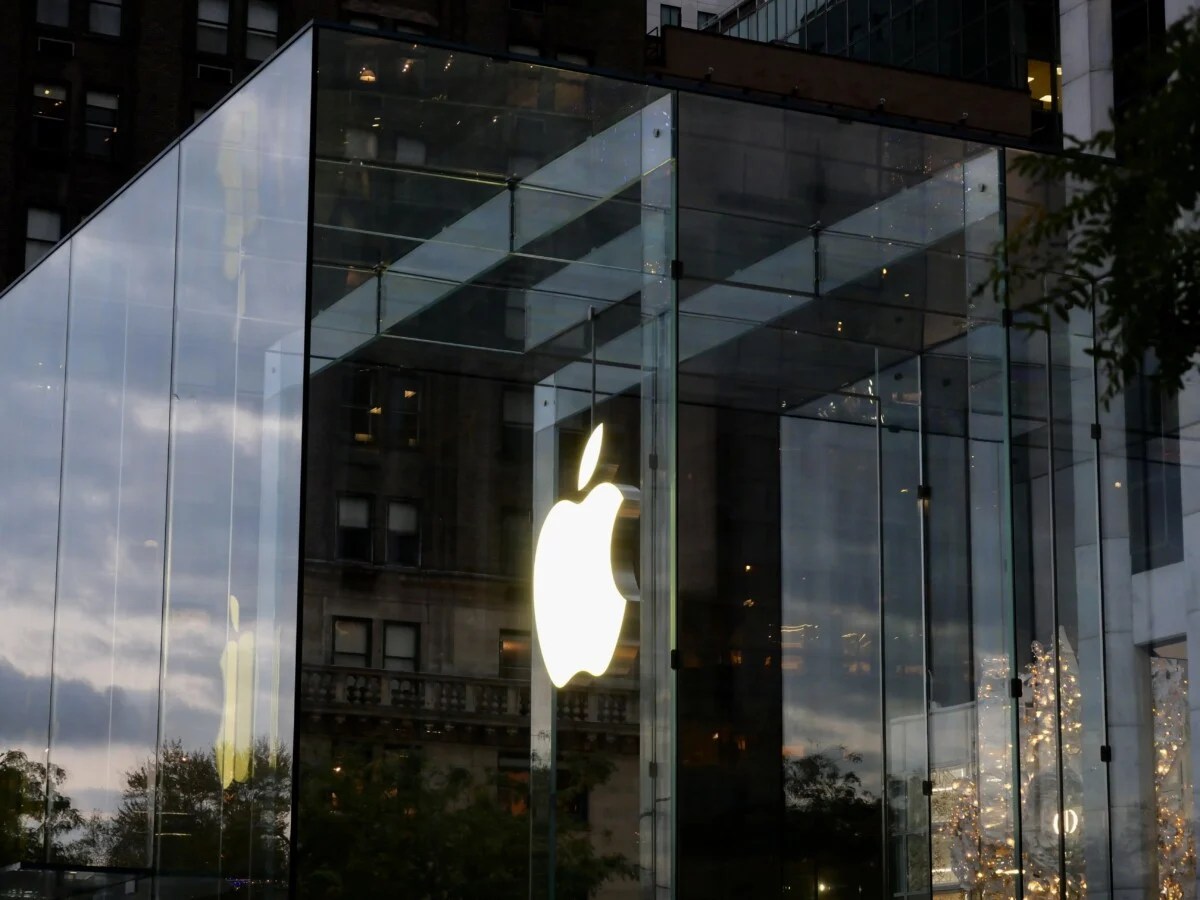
204 828
833 828
27 822
398 827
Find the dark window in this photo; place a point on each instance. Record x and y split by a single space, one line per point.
670 15
516 541
400 642
104 17
360 404
705 19
516 438
354 528
1155 492
262 29
43 228
49 116
212 26
100 124
403 533
352 642
516 654
54 12
529 6
1138 30
404 412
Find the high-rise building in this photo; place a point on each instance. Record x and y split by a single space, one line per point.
904 608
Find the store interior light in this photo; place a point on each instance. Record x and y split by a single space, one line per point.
366 75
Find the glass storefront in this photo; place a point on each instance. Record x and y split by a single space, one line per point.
445 476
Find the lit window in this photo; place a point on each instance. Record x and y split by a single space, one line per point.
104 17
400 647
352 642
49 116
361 406
262 29
43 228
516 652
212 26
100 124
670 15
354 528
403 534
404 412
54 12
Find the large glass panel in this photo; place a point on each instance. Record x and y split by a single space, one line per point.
841 418
108 614
33 332
222 788
489 284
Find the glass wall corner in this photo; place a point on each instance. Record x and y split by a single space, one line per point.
490 296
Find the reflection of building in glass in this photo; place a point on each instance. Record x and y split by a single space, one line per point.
286 417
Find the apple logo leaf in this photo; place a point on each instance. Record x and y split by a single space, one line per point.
591 456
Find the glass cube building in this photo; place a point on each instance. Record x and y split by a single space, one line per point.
904 610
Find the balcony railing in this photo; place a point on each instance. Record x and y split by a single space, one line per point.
496 702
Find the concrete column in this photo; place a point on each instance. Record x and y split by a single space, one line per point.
1085 36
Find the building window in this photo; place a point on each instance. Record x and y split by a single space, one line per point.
212 26
262 29
54 12
404 412
705 19
516 436
516 653
529 6
354 528
1154 490
670 15
362 143
198 113
403 533
104 17
43 228
352 642
100 124
360 404
49 116
516 541
400 647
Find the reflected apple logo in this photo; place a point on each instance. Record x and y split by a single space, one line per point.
577 606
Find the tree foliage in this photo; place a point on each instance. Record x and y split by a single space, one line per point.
1124 242
27 820
399 827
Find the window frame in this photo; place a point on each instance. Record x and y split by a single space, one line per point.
253 32
66 9
117 5
339 547
387 527
89 126
333 650
212 25
415 628
45 244
38 114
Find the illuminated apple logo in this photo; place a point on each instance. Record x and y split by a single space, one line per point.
577 605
